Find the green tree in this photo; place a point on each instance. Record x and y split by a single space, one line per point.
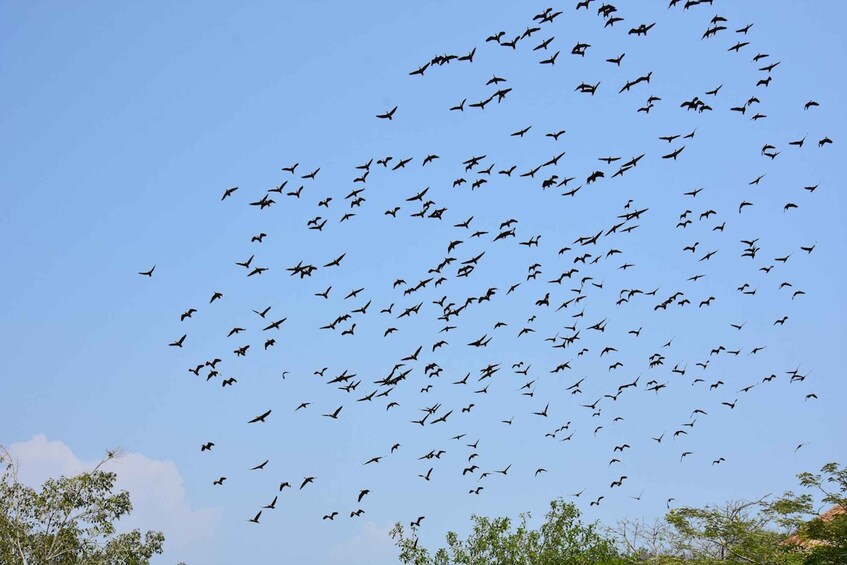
68 521
735 532
786 530
561 538
823 538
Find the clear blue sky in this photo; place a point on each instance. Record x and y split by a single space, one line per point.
121 124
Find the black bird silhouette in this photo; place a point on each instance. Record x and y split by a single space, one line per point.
334 415
148 273
260 418
389 115
179 342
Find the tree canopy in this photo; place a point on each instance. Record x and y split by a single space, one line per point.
562 538
69 521
784 530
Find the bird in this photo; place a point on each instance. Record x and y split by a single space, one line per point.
178 342
260 418
389 115
334 414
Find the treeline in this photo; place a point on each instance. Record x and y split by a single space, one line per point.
71 520
809 528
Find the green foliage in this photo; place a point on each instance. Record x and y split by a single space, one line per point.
769 531
782 531
825 539
741 532
69 521
562 538
832 537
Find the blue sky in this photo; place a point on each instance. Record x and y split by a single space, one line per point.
124 123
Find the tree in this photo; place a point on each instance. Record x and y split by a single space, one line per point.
642 541
68 521
786 530
823 538
737 531
562 538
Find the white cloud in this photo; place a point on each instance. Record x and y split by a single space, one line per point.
371 546
155 487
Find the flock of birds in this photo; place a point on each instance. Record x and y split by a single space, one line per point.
564 296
